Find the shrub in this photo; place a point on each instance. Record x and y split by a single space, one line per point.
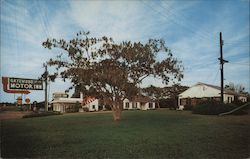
188 107
41 114
86 109
242 111
77 106
215 108
238 102
107 107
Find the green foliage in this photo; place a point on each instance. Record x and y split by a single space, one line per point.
237 101
109 70
107 107
141 134
188 107
215 108
77 106
86 109
238 88
41 114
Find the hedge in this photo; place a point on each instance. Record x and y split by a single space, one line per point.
41 114
215 108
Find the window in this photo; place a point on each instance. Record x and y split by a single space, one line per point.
93 106
183 102
229 99
150 105
127 105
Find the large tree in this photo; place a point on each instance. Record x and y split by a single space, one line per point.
112 70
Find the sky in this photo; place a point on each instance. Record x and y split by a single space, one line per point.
190 29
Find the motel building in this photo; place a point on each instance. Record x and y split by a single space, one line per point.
203 92
139 102
62 103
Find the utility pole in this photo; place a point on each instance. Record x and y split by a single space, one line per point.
222 61
46 86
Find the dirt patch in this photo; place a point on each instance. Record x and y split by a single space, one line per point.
5 115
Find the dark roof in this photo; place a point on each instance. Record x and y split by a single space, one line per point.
142 99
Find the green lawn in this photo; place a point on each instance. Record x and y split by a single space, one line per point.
140 134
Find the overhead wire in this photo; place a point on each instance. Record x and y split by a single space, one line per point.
16 33
183 18
235 63
215 77
174 21
42 21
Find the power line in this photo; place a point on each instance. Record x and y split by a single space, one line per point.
171 10
41 18
215 77
174 21
235 63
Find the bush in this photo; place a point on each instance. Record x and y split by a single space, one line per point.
41 114
188 107
238 102
107 107
215 108
86 109
168 103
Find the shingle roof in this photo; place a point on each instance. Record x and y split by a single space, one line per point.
142 99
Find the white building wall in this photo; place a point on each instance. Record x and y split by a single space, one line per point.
124 104
243 99
93 106
57 107
138 105
228 98
146 106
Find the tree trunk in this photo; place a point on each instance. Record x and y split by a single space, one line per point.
158 103
116 113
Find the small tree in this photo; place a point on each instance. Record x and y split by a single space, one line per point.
113 71
166 92
238 88
155 92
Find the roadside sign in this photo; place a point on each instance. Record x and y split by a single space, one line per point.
27 84
21 85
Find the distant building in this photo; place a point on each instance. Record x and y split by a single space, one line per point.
91 103
139 102
202 92
63 104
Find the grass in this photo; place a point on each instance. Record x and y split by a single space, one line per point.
140 134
